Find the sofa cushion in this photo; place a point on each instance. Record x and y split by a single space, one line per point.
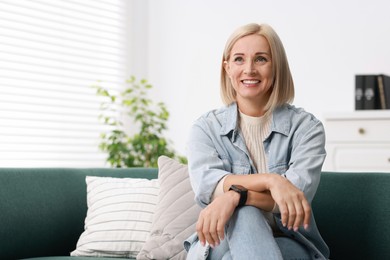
119 216
176 213
352 211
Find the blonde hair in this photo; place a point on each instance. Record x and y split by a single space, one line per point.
283 85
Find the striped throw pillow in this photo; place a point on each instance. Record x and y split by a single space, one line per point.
119 216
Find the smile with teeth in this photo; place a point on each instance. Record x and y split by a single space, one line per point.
250 81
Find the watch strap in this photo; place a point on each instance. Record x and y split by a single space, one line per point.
243 194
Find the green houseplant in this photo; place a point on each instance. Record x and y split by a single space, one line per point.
140 144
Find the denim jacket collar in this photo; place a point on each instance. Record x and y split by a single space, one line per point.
280 121
230 120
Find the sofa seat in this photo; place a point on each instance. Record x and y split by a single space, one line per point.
43 212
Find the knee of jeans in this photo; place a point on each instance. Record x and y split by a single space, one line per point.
249 213
246 216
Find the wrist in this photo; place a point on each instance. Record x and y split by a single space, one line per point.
272 180
234 196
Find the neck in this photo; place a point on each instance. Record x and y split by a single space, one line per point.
255 109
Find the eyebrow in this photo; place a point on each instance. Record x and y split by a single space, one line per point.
257 53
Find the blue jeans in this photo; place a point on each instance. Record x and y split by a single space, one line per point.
249 236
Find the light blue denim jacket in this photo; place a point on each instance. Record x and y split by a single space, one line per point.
295 149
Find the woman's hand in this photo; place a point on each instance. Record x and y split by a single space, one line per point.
212 219
293 205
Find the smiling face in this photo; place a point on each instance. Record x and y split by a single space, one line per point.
250 71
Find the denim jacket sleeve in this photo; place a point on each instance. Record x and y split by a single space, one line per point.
206 166
306 160
297 149
215 149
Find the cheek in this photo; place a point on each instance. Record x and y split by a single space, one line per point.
235 74
235 80
235 83
269 75
232 71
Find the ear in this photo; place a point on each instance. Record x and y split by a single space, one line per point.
226 67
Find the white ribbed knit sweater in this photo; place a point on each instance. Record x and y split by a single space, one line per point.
254 131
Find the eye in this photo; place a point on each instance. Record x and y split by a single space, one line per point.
238 59
260 59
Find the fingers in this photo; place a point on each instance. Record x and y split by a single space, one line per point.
221 230
212 219
299 216
203 228
295 213
291 215
210 230
307 210
212 235
199 230
283 213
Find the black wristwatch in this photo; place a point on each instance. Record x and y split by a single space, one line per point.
243 193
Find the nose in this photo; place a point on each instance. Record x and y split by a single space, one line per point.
249 68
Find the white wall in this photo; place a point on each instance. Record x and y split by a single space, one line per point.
327 43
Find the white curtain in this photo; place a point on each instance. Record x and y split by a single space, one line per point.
51 52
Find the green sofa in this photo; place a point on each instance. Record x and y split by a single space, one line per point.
42 211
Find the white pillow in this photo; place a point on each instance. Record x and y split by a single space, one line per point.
119 216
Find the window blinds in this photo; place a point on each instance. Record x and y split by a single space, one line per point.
51 52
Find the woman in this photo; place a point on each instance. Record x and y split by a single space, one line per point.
255 164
